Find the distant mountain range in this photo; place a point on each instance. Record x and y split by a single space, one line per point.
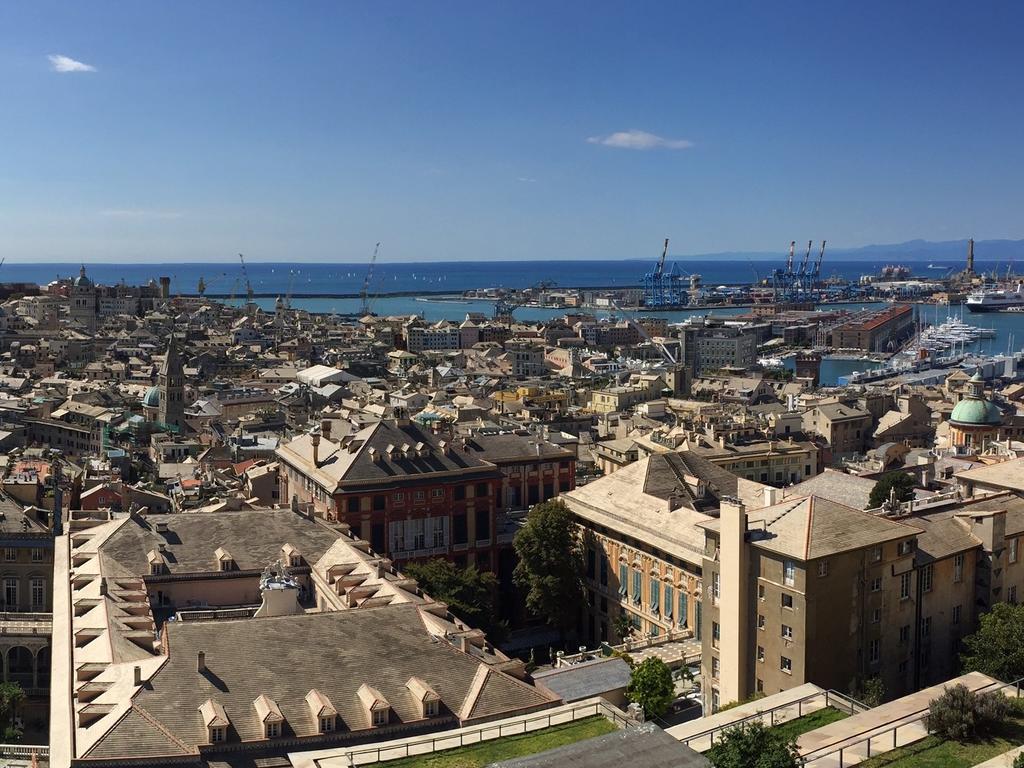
947 251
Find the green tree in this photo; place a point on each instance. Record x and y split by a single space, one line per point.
550 564
753 745
622 625
996 648
468 592
960 714
901 481
651 686
11 694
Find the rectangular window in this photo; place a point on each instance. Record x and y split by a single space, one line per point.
715 667
216 734
876 584
760 653
787 601
623 580
789 573
655 587
760 621
684 604
398 498
437 493
638 588
460 492
787 632
483 489
716 588
10 554
905 585
380 717
786 665
460 533
11 593
716 634
956 614
1013 550
905 547
926 578
876 554
905 633
38 590
326 724
876 616
958 568
926 626
760 591
669 597
37 554
604 568
483 525
273 730
1011 595
591 563
873 651
823 568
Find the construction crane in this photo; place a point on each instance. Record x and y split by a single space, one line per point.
248 285
364 294
631 319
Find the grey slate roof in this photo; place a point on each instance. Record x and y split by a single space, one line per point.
253 538
581 681
285 657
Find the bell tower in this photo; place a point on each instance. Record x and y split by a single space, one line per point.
171 381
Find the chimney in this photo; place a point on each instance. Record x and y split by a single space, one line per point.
325 428
103 587
735 585
201 662
137 672
315 440
380 569
772 496
464 644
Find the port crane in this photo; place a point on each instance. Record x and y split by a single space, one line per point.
364 294
506 305
661 288
248 285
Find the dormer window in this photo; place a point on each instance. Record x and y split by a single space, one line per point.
225 562
327 724
380 717
155 569
425 696
376 706
290 556
269 715
216 721
322 710
430 709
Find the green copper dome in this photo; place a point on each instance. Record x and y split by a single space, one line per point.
976 412
152 398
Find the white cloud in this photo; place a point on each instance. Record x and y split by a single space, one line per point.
140 213
59 63
526 179
634 139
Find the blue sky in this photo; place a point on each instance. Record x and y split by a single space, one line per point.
520 130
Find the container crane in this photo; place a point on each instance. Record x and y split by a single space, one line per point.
364 294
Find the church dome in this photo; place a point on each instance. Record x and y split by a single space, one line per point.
152 398
82 281
976 412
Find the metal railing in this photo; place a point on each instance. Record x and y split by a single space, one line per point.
844 747
467 737
832 698
23 751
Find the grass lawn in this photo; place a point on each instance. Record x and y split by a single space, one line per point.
480 755
793 729
933 752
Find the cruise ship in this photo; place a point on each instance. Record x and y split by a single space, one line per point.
996 300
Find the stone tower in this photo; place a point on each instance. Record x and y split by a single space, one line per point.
171 381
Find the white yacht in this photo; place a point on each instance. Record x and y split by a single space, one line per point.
995 299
